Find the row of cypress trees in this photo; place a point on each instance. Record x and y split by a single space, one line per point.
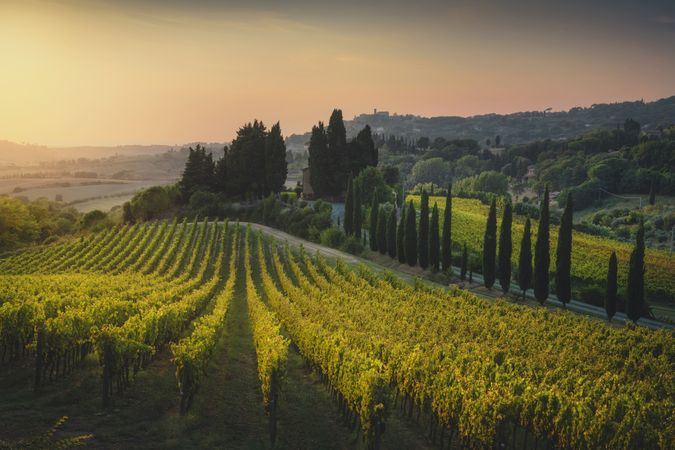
402 237
423 244
537 277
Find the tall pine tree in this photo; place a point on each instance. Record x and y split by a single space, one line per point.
525 259
358 211
411 235
542 257
382 230
400 237
198 173
636 277
276 167
349 209
490 246
505 249
434 244
563 261
391 233
446 246
610 294
320 165
423 241
246 160
374 211
337 149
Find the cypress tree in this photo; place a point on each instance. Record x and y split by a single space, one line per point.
276 167
349 209
434 244
423 241
336 136
320 164
382 231
610 295
542 258
652 193
465 263
374 211
490 247
446 246
400 238
391 233
563 261
505 249
636 277
358 211
525 260
411 235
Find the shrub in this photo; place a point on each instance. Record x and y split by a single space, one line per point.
332 237
352 245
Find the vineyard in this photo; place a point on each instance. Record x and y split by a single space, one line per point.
459 371
589 253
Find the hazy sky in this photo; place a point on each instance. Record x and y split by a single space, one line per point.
169 71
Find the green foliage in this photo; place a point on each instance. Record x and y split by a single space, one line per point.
505 248
490 247
391 233
411 234
382 219
369 181
636 278
151 203
198 173
542 257
276 167
320 172
434 240
206 204
246 160
525 259
446 245
96 220
24 222
400 237
610 293
433 170
332 237
349 209
489 181
374 212
423 239
332 159
127 213
563 280
358 211
352 245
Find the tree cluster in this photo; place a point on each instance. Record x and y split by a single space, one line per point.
332 159
254 165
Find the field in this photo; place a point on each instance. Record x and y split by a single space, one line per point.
83 194
205 334
589 253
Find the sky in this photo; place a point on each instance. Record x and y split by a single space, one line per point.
112 72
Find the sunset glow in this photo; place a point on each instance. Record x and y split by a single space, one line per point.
95 72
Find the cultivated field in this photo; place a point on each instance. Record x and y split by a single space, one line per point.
168 334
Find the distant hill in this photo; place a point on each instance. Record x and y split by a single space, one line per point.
515 128
12 153
521 127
